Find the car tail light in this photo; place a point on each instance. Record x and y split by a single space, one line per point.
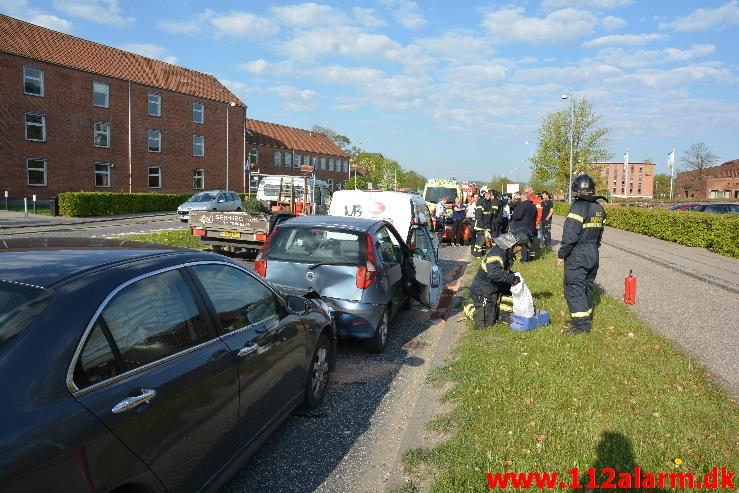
366 273
260 266
198 232
260 237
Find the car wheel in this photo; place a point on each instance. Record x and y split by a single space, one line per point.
379 340
317 378
238 209
183 220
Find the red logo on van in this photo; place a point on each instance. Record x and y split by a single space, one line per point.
377 208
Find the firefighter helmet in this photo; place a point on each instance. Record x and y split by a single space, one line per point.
523 238
583 185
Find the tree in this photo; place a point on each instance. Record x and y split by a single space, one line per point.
551 163
698 157
498 183
359 182
342 141
415 181
662 185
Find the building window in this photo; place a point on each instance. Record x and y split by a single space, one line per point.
155 177
101 94
102 174
198 179
346 165
288 159
323 164
314 162
36 127
101 134
254 157
33 81
155 140
155 104
296 163
331 164
198 112
198 145
278 159
36 172
330 184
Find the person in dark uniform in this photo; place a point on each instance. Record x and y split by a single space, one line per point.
491 288
483 216
545 227
581 236
524 219
496 206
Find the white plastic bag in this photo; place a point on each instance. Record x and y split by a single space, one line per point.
523 302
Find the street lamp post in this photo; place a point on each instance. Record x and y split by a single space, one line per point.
572 138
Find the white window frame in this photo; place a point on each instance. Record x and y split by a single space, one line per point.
41 79
158 175
201 143
278 159
198 174
107 94
44 169
196 111
158 103
42 125
105 132
105 173
148 139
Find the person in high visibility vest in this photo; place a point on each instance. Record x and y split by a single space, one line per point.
578 251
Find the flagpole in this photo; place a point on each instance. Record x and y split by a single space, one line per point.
671 162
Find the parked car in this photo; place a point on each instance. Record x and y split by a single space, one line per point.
134 367
212 200
715 208
683 207
362 268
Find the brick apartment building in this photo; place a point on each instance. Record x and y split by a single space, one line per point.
717 182
636 181
80 116
275 149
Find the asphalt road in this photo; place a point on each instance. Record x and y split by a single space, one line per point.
101 229
353 442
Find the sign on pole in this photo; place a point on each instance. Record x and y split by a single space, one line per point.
512 188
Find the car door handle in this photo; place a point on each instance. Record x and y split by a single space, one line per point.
247 350
131 402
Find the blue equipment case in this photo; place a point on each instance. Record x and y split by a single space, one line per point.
527 324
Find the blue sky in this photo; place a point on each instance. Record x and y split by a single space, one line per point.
447 88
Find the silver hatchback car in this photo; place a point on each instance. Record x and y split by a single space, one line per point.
361 268
212 200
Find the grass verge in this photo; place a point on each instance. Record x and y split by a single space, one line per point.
42 211
619 397
180 238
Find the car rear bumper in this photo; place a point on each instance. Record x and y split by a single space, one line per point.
353 319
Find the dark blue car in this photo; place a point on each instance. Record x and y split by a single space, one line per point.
129 367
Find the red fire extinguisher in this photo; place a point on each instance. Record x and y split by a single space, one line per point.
630 289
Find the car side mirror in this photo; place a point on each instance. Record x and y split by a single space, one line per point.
220 201
297 305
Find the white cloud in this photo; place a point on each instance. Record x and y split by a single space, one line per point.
673 78
274 69
591 4
406 13
624 40
106 12
456 46
233 24
150 50
181 27
307 14
646 58
587 72
704 19
612 23
21 10
294 99
242 90
367 17
511 25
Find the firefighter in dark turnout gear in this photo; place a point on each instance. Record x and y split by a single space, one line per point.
496 206
491 289
581 237
483 222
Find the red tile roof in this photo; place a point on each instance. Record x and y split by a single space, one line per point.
32 41
282 136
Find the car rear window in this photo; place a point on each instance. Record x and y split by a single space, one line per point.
319 244
19 305
203 197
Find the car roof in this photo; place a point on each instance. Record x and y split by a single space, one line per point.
46 262
342 222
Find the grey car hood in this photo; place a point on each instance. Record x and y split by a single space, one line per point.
197 206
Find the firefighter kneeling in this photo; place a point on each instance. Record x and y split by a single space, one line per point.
491 288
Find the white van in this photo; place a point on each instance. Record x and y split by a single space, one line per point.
269 195
398 208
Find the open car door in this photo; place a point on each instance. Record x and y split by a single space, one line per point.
424 271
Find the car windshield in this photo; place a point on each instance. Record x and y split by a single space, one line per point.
19 305
203 197
318 245
435 194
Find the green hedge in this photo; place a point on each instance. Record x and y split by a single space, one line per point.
717 232
85 204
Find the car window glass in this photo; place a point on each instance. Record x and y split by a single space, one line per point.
96 361
239 298
234 197
421 245
154 318
386 246
316 244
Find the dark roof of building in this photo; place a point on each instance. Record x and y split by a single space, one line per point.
713 171
282 136
39 43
